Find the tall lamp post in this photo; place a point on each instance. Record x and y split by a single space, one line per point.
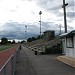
60 29
64 8
25 31
40 22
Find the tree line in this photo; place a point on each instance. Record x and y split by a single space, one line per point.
5 41
34 38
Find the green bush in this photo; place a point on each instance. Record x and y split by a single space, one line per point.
48 50
4 47
53 50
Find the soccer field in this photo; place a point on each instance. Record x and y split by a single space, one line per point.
3 47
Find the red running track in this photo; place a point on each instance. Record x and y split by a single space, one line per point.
5 55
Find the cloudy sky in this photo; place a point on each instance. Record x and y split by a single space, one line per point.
16 14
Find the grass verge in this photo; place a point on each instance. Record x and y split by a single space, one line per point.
4 47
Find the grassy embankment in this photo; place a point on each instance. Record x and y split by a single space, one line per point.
4 47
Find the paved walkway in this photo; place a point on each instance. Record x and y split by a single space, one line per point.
31 64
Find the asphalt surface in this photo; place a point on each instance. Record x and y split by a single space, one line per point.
31 64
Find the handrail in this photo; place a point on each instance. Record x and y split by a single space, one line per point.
6 62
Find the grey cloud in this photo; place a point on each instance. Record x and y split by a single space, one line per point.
50 26
35 27
17 30
11 26
71 14
29 0
70 28
53 26
33 13
25 0
10 30
12 10
70 2
54 6
49 4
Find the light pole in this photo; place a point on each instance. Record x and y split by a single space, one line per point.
40 22
25 31
64 8
60 29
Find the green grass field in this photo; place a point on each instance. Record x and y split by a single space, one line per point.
3 47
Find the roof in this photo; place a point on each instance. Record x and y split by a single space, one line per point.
68 34
48 31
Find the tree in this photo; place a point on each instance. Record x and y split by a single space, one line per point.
13 42
4 40
9 42
33 38
23 41
38 37
29 40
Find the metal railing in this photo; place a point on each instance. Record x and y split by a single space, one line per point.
9 67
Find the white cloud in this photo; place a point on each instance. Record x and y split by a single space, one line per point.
17 10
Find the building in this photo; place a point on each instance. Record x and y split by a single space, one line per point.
68 42
49 35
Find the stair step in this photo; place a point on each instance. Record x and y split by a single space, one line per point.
67 60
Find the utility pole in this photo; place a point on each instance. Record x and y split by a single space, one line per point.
64 8
40 22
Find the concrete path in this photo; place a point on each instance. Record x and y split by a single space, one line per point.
31 64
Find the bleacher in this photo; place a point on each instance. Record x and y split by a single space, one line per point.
37 45
53 42
47 41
